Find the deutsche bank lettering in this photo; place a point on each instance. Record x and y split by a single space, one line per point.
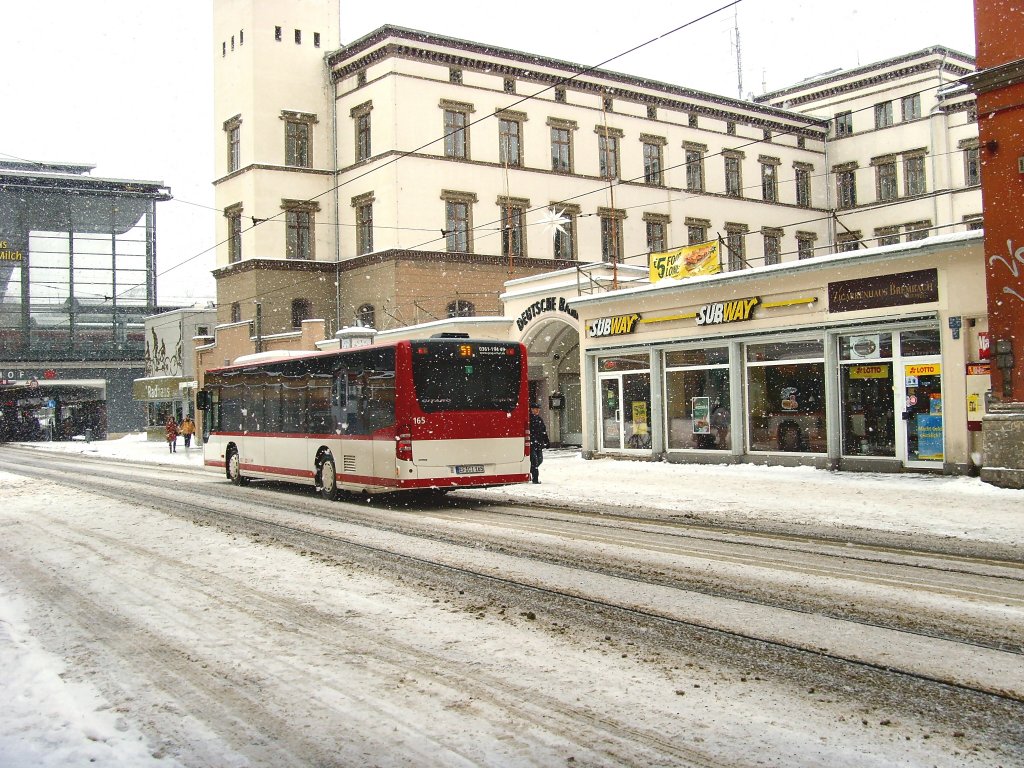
550 304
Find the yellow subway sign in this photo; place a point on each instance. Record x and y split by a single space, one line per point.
619 325
727 311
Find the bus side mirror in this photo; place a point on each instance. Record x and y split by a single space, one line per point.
202 399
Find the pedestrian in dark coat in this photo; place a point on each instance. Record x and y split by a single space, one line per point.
538 441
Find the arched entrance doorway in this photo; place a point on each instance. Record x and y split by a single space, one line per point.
553 351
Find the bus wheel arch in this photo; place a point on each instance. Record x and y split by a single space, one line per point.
233 465
327 475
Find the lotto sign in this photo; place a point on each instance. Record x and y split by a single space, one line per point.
928 369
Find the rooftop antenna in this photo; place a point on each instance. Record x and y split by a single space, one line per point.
739 54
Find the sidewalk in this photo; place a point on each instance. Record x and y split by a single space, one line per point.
961 508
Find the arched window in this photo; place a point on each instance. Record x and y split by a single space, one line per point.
302 309
461 308
366 316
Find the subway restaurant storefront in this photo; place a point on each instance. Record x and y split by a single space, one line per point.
872 360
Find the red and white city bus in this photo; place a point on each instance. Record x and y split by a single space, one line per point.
441 413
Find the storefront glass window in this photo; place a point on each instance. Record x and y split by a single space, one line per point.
916 343
786 396
624 363
866 385
697 399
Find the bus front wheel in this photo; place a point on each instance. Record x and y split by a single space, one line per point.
234 468
328 479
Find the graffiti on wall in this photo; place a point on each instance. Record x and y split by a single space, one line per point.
158 361
1012 261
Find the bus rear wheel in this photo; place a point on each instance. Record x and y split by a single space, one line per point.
329 479
234 468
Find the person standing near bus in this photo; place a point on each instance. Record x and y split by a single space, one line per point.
538 441
171 430
187 429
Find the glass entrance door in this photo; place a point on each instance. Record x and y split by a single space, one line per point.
625 411
922 411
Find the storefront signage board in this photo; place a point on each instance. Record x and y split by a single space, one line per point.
721 312
919 287
686 262
619 325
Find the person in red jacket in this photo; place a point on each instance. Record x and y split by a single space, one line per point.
171 430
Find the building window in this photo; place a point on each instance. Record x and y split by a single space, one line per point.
298 37
513 227
458 226
974 222
224 49
510 143
233 133
608 155
361 115
316 39
361 78
848 241
366 316
883 114
736 246
972 166
456 135
455 75
652 112
692 120
887 235
844 124
560 95
694 168
794 421
802 176
801 142
885 180
910 106
805 245
917 230
363 206
913 175
510 85
611 234
657 232
298 219
767 134
461 308
730 127
277 34
302 309
846 188
565 236
561 144
733 176
770 180
234 216
654 161
772 246
297 130
236 312
697 231
607 104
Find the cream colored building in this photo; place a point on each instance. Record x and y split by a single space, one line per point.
903 156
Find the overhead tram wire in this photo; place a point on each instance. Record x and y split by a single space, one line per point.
405 153
493 227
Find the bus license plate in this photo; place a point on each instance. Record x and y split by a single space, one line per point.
469 469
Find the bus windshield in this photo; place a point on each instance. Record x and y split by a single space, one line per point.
466 377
